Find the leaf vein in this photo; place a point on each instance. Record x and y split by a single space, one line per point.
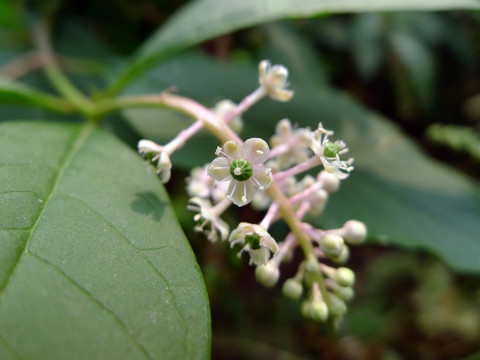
79 140
137 249
117 319
10 347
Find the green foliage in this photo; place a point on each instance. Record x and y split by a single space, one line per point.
206 19
91 252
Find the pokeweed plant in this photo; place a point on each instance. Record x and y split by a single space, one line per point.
90 249
243 168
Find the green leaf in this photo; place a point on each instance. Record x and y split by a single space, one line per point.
406 198
93 264
205 19
419 64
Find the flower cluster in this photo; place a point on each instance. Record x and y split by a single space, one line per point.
271 179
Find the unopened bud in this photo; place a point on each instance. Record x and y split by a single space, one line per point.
332 245
267 274
311 265
318 311
344 293
292 289
344 255
337 306
355 232
330 182
344 277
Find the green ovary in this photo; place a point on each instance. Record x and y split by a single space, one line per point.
241 169
253 240
331 149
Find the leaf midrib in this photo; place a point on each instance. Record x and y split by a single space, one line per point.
82 135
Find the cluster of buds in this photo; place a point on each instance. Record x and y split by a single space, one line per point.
271 179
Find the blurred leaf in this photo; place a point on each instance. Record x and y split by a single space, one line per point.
367 43
93 264
286 45
205 19
419 64
405 198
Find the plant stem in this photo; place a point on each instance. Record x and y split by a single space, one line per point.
56 76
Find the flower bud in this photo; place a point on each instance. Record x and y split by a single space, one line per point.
292 289
316 310
355 232
311 265
306 306
330 182
344 255
337 306
344 293
344 277
332 245
267 274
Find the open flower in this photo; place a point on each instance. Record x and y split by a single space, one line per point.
224 108
329 152
158 157
201 185
294 143
273 79
208 220
242 165
255 240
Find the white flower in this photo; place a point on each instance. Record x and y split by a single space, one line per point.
255 240
201 185
223 108
242 165
160 158
273 79
329 153
208 220
295 142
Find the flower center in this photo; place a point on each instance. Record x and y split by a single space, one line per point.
331 149
253 240
241 169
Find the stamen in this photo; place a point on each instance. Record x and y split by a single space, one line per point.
244 197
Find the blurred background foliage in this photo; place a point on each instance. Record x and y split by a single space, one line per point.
401 88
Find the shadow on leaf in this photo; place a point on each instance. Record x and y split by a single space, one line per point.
148 203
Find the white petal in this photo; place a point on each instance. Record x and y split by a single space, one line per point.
270 243
278 75
262 176
256 151
241 192
219 169
233 150
259 256
282 95
331 168
263 69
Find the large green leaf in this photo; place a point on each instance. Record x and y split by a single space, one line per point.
93 264
406 198
205 19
